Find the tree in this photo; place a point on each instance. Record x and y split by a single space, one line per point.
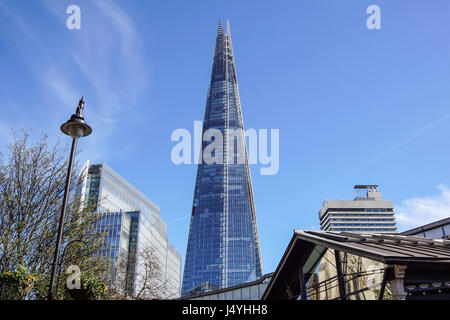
31 190
141 276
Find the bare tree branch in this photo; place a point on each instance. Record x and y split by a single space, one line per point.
31 190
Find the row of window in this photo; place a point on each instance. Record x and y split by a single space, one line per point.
378 210
349 219
360 215
364 229
364 224
325 219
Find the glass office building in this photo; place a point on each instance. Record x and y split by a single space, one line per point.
132 223
223 245
116 245
116 242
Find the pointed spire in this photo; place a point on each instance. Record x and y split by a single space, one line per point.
228 28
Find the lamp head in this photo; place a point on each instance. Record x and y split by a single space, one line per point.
76 127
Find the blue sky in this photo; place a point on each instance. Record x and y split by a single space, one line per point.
353 106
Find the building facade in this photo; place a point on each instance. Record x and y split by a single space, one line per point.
223 245
368 212
435 230
132 224
248 291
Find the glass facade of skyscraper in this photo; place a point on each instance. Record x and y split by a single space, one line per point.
116 226
223 245
132 224
116 244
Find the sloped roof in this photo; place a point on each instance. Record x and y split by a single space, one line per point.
391 249
427 227
387 248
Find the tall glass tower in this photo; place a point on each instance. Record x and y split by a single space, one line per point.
223 245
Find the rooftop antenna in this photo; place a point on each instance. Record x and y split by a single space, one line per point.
362 190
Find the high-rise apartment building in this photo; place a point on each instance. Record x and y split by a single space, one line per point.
223 246
368 212
132 224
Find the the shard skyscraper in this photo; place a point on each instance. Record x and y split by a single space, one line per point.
223 246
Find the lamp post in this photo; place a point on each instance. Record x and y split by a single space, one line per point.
77 128
61 260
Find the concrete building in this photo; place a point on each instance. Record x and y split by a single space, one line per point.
133 225
368 212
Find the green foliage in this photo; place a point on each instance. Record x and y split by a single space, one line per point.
40 288
92 288
16 285
32 181
97 287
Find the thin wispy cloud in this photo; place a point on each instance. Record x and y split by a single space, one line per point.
403 142
60 87
418 211
40 59
104 61
110 57
410 138
109 54
179 219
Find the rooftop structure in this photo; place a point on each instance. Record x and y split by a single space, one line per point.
246 291
320 265
368 212
438 230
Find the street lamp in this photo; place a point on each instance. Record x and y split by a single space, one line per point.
61 260
77 128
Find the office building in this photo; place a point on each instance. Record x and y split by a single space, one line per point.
223 245
368 212
133 225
